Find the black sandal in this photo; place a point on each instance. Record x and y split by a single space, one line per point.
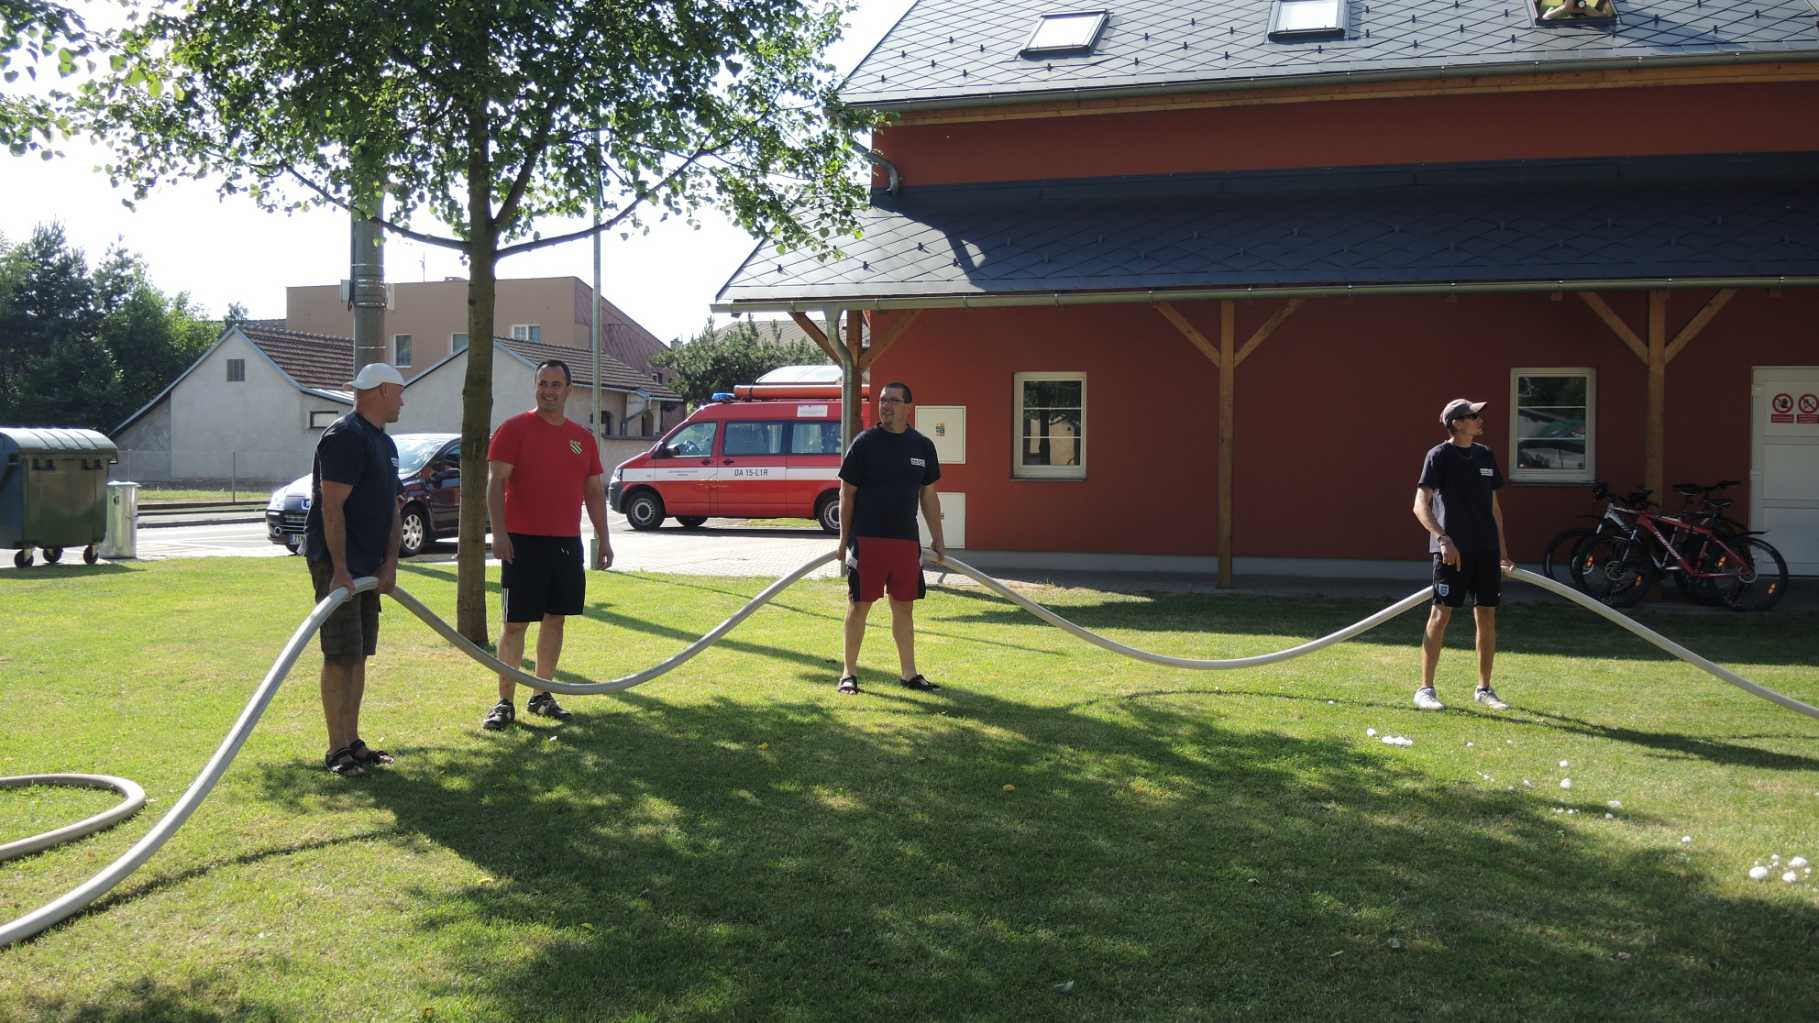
849 685
343 762
918 683
365 754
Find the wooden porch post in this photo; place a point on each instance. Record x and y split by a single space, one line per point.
1226 358
1655 355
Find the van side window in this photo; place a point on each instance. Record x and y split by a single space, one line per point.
761 438
815 437
693 440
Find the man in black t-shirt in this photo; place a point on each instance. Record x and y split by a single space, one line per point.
353 530
887 474
1456 501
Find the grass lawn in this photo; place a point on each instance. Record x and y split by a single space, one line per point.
152 493
1058 834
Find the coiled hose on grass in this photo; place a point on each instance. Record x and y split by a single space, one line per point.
78 898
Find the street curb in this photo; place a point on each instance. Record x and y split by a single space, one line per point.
143 524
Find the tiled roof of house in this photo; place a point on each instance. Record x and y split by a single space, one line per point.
1618 219
313 360
955 51
613 373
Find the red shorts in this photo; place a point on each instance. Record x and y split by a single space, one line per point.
885 565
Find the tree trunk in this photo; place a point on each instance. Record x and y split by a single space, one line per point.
477 391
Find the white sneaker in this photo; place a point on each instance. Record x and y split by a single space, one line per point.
1488 697
1425 699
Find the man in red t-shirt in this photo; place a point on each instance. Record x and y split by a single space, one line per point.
543 468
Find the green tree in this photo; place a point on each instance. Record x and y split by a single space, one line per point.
714 361
46 306
495 119
32 32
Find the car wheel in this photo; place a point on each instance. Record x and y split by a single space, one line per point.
644 510
827 513
90 555
22 559
52 555
414 532
691 521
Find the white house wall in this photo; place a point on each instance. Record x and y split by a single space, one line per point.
145 448
256 429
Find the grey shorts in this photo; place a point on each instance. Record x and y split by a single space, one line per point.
352 630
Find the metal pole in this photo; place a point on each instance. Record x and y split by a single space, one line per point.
849 378
593 330
366 264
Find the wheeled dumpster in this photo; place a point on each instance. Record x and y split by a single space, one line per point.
53 491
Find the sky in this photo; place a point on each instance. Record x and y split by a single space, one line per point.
228 250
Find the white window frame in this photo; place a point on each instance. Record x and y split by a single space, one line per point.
1078 44
1590 472
410 342
1286 24
1045 472
523 332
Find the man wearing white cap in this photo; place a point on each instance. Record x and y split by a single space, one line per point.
353 530
1456 502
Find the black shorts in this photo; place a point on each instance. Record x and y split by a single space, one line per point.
352 630
544 577
1479 574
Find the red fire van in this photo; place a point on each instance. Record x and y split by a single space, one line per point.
764 451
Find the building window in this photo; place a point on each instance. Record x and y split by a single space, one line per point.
457 343
401 350
1553 422
1063 35
1051 426
322 419
236 371
1308 19
527 332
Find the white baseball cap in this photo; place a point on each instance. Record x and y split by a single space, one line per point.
373 374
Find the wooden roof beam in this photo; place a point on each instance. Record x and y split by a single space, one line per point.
1615 322
1698 323
1188 330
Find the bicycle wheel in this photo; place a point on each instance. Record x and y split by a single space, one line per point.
1759 577
1559 553
1614 569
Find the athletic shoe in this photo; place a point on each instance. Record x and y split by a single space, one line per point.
1488 697
545 705
501 715
1425 699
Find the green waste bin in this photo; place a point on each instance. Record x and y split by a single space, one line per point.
53 491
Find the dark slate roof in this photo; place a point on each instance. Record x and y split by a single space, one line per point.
614 375
954 51
1751 217
312 360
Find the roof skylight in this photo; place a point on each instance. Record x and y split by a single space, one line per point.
1308 19
1062 34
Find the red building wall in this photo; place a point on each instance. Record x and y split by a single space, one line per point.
1333 414
1775 117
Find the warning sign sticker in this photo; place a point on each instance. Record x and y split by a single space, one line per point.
1809 409
1781 408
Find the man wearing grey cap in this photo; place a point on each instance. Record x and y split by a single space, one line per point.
353 530
1456 502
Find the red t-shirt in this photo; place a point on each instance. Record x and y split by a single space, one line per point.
549 464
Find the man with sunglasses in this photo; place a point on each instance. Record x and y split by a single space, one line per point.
1456 502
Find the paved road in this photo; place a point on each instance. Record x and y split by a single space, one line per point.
722 547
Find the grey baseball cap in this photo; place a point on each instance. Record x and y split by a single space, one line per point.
1459 408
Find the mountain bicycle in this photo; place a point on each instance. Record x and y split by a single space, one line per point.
1620 568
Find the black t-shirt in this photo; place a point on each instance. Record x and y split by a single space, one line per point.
355 452
1463 480
890 470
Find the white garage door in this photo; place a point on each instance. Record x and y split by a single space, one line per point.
1784 462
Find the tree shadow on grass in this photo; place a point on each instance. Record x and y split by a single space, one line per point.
729 860
146 999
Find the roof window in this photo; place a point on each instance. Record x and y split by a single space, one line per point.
1309 19
1059 35
1575 12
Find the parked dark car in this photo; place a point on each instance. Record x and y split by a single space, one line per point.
429 472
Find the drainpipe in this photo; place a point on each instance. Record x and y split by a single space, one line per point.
895 177
849 377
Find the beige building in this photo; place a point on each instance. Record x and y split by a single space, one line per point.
427 321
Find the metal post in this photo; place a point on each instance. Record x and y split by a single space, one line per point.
366 264
593 330
233 476
849 378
